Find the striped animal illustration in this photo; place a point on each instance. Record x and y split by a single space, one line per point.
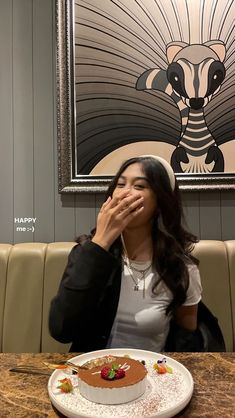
194 75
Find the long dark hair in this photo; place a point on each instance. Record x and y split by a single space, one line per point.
172 243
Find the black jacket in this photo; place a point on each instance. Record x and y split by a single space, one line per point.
85 306
86 303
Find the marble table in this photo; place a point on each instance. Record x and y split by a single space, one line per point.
25 395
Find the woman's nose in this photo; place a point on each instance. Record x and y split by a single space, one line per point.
133 191
129 187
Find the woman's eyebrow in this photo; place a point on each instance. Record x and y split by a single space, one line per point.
141 178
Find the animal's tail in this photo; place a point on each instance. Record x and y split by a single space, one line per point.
156 79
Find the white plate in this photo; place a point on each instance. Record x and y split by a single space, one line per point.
165 396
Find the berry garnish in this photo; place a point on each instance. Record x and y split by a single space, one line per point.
161 367
105 372
66 385
119 373
113 372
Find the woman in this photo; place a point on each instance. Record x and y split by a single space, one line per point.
124 283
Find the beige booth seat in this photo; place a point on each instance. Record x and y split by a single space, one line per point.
23 298
230 247
215 276
30 274
32 277
4 256
56 259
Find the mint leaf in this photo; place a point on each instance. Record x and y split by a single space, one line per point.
111 374
115 366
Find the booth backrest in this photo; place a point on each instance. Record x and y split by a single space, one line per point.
30 274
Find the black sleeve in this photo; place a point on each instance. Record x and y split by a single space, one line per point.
86 275
182 340
207 337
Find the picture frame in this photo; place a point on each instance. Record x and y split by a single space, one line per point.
69 132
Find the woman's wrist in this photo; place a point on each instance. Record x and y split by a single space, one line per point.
101 242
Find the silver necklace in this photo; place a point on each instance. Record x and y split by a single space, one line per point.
142 273
131 269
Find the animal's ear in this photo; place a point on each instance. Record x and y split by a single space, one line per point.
173 48
218 47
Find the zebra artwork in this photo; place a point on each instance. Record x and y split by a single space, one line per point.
194 75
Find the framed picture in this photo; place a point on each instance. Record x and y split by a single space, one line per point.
145 77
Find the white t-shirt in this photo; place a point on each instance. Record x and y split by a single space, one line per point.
141 321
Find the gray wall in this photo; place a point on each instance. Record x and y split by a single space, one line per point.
28 156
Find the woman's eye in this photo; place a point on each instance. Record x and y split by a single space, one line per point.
139 186
120 185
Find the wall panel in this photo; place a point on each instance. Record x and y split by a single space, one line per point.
6 123
228 215
210 215
43 120
23 115
85 213
190 202
64 221
99 200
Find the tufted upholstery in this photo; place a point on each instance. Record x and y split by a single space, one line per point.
30 274
217 275
29 277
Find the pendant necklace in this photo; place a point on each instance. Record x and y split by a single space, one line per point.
141 272
132 269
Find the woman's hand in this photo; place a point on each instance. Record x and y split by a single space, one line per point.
115 214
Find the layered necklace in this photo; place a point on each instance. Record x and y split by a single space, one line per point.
137 275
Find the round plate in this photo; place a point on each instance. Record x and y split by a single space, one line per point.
165 396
